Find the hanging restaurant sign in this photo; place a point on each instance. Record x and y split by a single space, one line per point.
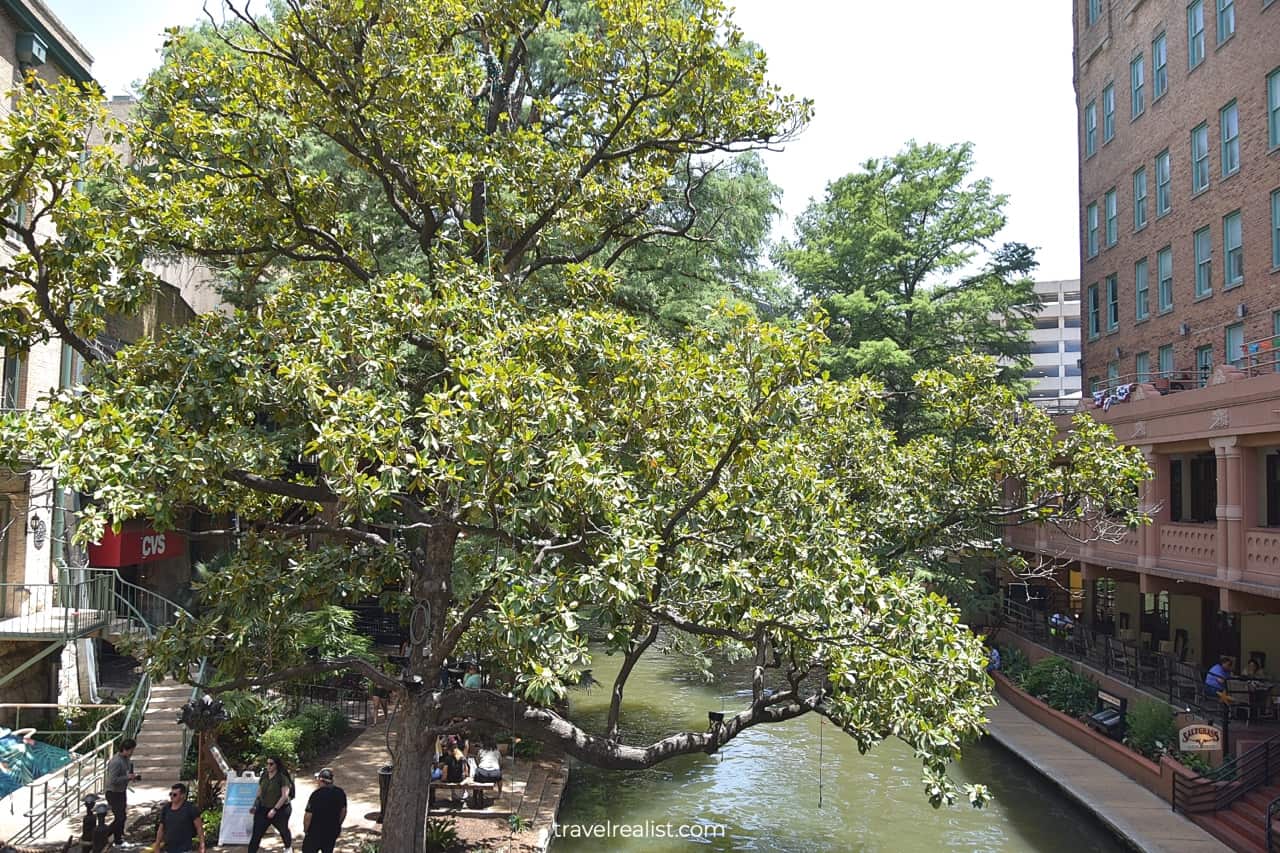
1199 738
137 542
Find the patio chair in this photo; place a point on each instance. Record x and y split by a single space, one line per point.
1241 701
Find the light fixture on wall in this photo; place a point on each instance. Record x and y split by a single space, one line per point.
1184 329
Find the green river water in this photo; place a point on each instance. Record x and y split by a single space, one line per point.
764 787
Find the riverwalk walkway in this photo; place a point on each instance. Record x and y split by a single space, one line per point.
1135 814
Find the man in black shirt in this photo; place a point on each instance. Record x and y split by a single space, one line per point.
180 829
326 810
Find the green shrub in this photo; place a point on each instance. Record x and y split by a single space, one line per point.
282 740
1150 728
1194 761
1013 663
212 823
442 833
1054 681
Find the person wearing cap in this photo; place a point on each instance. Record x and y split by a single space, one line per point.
326 810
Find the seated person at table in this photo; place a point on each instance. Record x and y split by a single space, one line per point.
474 680
1215 682
1253 672
488 763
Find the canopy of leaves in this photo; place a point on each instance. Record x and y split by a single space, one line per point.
899 256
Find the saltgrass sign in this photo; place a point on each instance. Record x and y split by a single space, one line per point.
1199 738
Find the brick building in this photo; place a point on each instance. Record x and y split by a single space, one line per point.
1179 121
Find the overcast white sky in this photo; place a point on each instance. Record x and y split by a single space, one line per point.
997 74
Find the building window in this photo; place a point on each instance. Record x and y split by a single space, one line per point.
1141 289
1140 199
10 391
1195 33
1094 312
1229 122
1234 342
1113 374
1275 229
1232 250
1165 357
1226 19
1091 225
1199 158
1273 108
1164 274
1163 178
1275 332
1113 219
1204 262
1094 12
1108 113
1090 128
1137 86
1142 366
1204 364
1113 303
1159 67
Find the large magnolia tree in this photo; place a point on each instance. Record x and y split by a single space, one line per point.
446 406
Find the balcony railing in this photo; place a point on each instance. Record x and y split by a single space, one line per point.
52 611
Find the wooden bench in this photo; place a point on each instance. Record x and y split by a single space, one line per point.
469 789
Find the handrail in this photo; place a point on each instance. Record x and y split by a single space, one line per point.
1219 788
76 748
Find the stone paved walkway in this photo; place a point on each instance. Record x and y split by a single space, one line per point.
1135 814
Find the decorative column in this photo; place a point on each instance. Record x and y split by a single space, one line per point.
1153 500
1230 541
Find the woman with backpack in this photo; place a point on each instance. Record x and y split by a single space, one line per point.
271 808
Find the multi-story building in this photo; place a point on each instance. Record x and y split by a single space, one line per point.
41 591
1179 106
1055 344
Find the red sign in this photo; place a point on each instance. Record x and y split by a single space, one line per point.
135 543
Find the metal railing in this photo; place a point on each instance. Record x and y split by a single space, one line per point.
353 704
130 610
1273 811
55 611
1222 786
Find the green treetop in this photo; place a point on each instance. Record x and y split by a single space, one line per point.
899 256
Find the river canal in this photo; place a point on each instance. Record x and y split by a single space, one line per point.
764 789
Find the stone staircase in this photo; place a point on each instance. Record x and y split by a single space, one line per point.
158 756
1243 826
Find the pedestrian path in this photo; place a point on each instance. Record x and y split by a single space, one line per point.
1138 816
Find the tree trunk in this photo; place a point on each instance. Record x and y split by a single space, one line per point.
406 809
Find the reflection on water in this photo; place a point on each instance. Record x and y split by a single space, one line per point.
765 788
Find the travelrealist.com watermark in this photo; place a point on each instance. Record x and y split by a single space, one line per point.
646 829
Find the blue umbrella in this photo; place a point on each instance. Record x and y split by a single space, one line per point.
24 759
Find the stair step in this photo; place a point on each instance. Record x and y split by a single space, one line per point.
1227 834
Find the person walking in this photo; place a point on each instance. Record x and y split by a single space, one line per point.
272 807
326 812
180 829
119 775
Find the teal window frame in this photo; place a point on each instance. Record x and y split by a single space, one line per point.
1200 157
1164 181
1164 360
1091 229
1090 129
1095 312
1113 374
1140 198
1137 86
1195 33
1141 289
1113 302
1164 279
1273 109
1112 210
1142 366
1229 128
1204 364
10 389
1233 344
1108 113
1093 11
1232 250
1226 19
1202 246
1159 67
1275 229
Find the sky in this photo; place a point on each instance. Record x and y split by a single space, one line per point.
997 74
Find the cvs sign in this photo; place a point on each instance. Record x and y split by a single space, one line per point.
137 542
